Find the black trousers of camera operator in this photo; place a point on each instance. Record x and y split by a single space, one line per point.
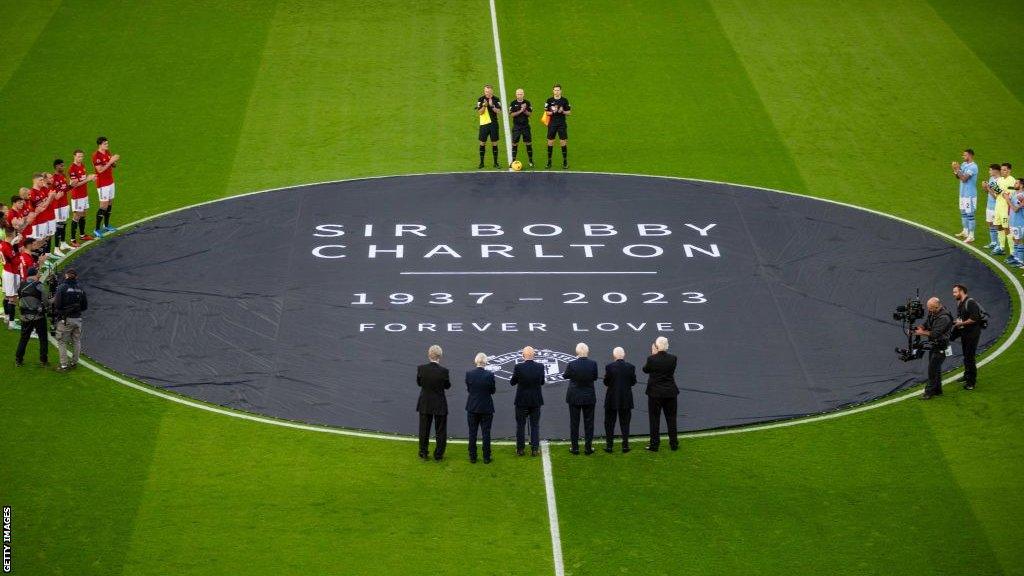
27 328
935 360
969 344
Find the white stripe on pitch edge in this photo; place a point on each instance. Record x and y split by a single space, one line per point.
549 483
549 488
501 82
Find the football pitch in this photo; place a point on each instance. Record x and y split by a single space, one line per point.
863 102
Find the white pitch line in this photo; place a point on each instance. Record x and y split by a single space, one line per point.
501 83
549 489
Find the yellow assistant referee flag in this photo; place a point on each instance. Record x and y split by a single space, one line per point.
546 118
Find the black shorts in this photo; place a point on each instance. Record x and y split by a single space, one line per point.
562 131
521 132
489 130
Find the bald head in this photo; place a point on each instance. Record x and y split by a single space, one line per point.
618 353
934 304
528 353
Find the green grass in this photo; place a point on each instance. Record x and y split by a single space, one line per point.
865 102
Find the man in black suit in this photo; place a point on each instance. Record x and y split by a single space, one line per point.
432 378
662 393
581 374
480 406
528 376
619 378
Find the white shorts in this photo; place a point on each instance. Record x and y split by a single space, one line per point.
63 213
968 205
51 227
39 231
1017 232
80 204
11 283
990 215
106 193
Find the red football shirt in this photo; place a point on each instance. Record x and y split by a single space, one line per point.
10 257
105 178
38 196
12 214
77 172
25 261
60 184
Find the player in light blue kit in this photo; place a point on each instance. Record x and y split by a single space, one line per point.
992 191
967 173
1017 223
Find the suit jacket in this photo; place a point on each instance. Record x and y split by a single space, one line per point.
528 377
433 380
480 385
661 371
581 374
619 378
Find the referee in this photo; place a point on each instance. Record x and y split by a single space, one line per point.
520 110
557 107
489 104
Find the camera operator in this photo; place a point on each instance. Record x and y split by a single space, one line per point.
967 327
32 302
937 327
69 302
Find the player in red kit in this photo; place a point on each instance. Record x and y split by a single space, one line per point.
62 207
104 162
42 204
79 197
11 276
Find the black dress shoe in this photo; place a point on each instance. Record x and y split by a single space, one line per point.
424 456
674 447
625 449
520 452
487 460
608 449
574 451
438 458
588 451
480 166
472 460
927 396
968 386
534 452
650 448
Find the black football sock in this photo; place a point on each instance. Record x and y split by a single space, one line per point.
99 218
515 151
494 152
60 236
82 224
529 152
74 230
106 213
483 150
9 310
550 148
565 154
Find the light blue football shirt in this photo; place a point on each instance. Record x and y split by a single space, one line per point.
969 189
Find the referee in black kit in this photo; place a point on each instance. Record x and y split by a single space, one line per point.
489 104
519 110
557 107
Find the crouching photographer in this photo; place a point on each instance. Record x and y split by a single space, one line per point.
937 328
971 319
69 302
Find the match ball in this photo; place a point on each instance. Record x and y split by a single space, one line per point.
517 165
